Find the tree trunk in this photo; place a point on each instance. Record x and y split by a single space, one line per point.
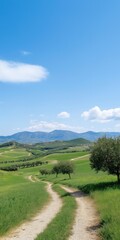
118 177
69 175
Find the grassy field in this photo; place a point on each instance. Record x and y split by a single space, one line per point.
19 200
14 154
64 156
103 189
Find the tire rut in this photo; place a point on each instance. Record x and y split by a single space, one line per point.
86 222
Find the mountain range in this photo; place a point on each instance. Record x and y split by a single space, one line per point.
56 135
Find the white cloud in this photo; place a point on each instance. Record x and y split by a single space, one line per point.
64 115
16 129
96 114
36 125
25 53
16 72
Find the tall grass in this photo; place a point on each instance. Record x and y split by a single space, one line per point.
108 202
18 203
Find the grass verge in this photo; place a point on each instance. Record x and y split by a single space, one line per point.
60 227
108 202
20 203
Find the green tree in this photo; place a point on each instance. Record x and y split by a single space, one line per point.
67 168
64 168
44 171
56 169
105 156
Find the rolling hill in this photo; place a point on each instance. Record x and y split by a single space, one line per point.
56 135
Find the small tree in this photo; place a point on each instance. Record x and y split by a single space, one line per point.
67 168
56 169
64 168
105 156
44 171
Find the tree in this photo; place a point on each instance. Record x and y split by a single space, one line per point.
44 171
56 169
67 168
64 168
105 156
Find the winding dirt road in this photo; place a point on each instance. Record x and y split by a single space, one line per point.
81 157
86 221
29 230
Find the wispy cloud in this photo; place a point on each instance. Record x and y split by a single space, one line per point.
15 72
96 114
25 53
16 129
63 115
46 126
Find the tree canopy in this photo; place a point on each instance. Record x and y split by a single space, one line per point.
64 168
105 156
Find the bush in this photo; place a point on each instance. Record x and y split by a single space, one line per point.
45 171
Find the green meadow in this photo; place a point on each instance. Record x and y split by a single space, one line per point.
102 188
65 156
14 154
20 199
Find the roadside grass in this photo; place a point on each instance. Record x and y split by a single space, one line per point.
9 181
108 202
19 200
60 227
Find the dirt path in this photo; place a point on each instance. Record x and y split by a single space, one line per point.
32 179
86 222
81 157
29 230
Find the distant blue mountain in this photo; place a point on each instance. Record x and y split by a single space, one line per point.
93 136
60 135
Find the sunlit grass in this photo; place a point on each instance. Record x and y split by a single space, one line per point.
103 189
16 190
19 200
65 156
14 154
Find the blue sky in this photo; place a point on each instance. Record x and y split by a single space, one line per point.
59 65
